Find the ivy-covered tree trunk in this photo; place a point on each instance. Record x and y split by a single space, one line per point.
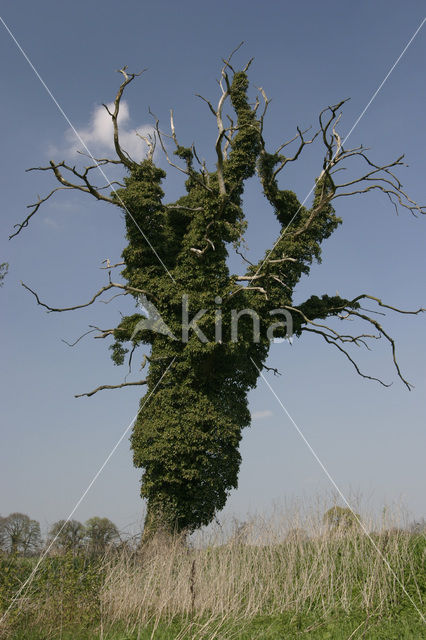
187 440
208 350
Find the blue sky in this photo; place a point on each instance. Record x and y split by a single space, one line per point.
307 55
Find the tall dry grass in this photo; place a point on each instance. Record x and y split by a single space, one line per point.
265 567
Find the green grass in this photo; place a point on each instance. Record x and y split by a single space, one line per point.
407 626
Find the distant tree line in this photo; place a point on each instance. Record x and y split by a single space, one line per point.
20 535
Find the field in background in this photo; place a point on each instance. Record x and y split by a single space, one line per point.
288 576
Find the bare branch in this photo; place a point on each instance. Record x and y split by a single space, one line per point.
248 278
172 128
79 306
303 143
283 259
353 309
130 361
111 266
266 102
334 335
85 186
387 306
35 207
388 338
83 176
231 129
107 287
111 386
163 146
222 131
277 279
201 252
208 103
382 176
273 369
194 151
151 143
72 344
179 206
237 48
124 156
209 243
103 333
378 177
117 295
243 257
260 289
328 339
160 135
99 161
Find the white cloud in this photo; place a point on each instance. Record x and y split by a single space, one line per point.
51 223
98 135
260 415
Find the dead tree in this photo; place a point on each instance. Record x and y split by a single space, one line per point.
186 439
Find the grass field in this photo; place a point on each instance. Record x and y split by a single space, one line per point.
260 582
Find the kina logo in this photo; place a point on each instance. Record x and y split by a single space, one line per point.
152 321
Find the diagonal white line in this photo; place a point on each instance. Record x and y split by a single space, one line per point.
384 79
89 153
26 585
346 137
339 491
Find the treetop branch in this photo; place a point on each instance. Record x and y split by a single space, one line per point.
123 155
